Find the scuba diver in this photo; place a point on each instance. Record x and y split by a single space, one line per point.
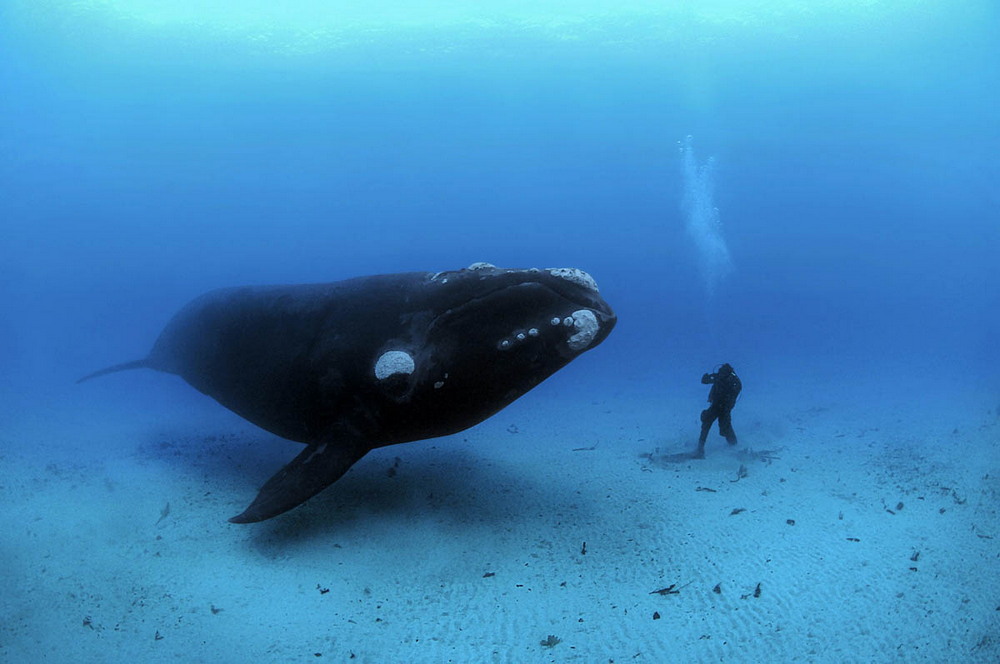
726 386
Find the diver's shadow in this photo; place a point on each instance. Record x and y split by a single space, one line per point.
675 457
741 453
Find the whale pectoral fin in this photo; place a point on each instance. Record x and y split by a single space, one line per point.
317 467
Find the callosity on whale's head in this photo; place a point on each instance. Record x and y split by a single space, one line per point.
567 294
493 334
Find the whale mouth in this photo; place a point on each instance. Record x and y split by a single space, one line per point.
578 307
594 319
586 318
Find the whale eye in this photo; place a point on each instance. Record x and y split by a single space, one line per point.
393 363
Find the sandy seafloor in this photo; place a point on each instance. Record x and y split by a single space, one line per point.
869 526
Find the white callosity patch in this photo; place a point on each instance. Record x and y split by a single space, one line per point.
481 265
393 362
517 337
586 326
578 277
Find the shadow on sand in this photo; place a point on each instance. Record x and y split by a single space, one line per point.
445 483
742 454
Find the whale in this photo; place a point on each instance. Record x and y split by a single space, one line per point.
350 366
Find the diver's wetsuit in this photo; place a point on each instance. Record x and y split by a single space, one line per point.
725 390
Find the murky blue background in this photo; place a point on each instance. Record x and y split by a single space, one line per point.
841 225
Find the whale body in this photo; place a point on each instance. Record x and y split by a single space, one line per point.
349 366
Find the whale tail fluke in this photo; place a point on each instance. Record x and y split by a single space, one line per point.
124 366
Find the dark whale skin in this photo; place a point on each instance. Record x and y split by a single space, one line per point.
349 366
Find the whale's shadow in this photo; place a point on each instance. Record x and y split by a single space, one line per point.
447 480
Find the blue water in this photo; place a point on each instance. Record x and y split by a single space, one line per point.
853 177
810 191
